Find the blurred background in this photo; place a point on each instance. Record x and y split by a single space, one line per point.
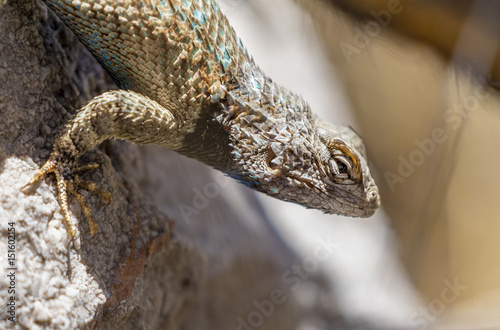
419 81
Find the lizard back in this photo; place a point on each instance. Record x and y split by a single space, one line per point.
175 52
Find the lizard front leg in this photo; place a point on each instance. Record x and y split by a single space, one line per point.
119 114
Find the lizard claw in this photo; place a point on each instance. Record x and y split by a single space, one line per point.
91 186
47 168
64 185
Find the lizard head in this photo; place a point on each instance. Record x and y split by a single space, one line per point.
344 172
316 164
280 148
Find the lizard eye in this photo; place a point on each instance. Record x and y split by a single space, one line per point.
342 165
340 168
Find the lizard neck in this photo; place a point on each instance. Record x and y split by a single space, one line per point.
208 140
254 121
264 122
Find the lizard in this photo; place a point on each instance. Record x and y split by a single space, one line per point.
186 82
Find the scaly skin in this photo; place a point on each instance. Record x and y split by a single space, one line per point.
187 83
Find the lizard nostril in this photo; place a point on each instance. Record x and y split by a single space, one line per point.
371 195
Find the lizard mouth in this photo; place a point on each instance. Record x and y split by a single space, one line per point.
361 207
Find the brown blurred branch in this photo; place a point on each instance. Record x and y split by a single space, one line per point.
465 31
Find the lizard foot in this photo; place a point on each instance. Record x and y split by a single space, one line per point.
66 181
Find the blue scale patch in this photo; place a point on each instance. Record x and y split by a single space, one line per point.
241 178
200 16
256 84
182 16
215 6
226 60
